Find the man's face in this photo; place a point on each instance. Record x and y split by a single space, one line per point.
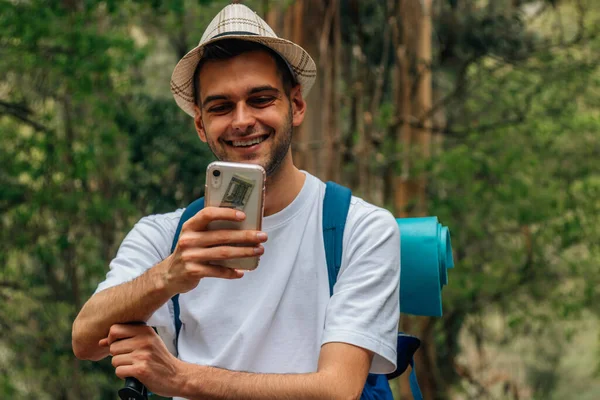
245 115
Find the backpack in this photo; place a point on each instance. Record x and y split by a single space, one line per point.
430 247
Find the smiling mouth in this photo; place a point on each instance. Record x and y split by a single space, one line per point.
247 143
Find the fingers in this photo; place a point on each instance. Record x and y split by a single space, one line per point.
122 360
130 365
200 221
124 346
213 271
126 371
126 331
122 340
204 255
213 238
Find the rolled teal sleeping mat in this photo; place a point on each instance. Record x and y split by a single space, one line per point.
425 256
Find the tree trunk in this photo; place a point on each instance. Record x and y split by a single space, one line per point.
335 167
329 48
424 99
403 47
410 198
300 149
289 23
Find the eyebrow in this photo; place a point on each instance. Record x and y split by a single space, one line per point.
254 90
263 89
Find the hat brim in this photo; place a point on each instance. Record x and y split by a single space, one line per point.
182 85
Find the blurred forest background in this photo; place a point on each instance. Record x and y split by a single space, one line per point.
485 113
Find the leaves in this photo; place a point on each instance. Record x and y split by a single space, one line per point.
84 156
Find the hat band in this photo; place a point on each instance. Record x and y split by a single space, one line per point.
234 33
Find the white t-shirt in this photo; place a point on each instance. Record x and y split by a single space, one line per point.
275 319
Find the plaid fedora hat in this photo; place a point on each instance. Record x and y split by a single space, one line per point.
237 21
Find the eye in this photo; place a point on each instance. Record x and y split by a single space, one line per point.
262 100
220 108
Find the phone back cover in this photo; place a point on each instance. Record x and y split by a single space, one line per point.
239 186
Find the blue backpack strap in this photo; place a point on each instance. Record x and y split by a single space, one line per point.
414 384
189 212
335 210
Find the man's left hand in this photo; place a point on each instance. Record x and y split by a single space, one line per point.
138 352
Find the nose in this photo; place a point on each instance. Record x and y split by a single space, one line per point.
243 117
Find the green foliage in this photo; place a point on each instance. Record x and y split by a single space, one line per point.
85 154
517 183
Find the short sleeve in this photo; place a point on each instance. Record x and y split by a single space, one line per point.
364 309
147 244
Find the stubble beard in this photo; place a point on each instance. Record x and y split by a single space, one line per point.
282 143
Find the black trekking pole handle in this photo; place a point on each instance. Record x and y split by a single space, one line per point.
133 389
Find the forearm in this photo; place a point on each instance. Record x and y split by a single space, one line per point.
218 384
135 300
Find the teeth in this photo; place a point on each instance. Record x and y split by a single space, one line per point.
242 143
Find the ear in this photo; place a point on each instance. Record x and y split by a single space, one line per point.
298 105
198 123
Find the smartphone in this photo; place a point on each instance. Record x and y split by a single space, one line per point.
242 187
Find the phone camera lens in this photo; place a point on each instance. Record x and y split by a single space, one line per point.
216 173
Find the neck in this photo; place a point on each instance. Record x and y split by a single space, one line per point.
283 186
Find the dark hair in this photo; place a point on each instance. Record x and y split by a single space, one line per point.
229 48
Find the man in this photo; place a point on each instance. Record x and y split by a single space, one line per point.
274 333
